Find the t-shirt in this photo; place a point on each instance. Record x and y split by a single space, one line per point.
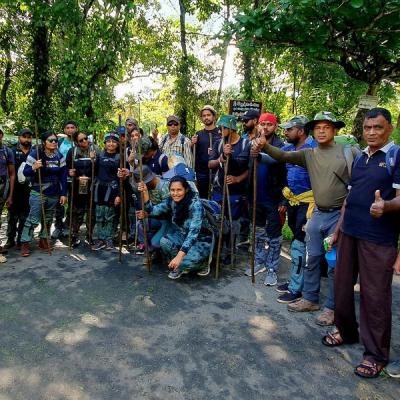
6 158
327 167
369 174
238 164
158 163
205 140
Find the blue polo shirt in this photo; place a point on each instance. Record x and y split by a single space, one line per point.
297 177
369 173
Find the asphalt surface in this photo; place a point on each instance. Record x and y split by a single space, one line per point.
97 329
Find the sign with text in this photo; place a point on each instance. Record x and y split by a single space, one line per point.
367 102
239 107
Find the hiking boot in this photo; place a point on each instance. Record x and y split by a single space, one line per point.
283 288
258 268
271 278
44 244
25 251
109 245
325 318
393 369
288 297
204 271
98 245
9 244
176 274
303 305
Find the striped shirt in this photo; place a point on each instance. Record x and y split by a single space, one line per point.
181 146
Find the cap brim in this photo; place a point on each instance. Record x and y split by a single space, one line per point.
311 124
288 125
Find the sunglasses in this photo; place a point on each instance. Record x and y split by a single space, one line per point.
51 140
85 139
172 124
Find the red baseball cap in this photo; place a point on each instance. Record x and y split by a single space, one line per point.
268 117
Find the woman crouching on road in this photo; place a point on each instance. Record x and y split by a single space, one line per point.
185 245
54 188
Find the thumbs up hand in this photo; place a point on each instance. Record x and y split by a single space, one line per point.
378 206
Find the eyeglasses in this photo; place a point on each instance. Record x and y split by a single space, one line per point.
85 139
172 124
51 140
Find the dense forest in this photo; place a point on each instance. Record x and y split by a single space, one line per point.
62 59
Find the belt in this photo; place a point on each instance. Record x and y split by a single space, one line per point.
327 210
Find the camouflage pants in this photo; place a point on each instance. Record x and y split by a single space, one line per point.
197 256
104 228
35 215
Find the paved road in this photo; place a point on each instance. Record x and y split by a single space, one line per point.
95 329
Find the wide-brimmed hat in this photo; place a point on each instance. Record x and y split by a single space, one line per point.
324 116
208 108
228 121
298 121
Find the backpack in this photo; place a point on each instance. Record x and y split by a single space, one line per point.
390 158
350 157
212 212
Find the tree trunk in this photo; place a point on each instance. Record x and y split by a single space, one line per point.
357 130
7 80
41 80
247 84
183 79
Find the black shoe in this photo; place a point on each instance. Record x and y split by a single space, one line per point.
75 242
283 288
289 297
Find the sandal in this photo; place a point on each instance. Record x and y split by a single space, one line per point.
368 369
332 339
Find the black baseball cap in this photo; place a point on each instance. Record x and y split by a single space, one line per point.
248 115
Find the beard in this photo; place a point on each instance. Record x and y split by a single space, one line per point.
25 144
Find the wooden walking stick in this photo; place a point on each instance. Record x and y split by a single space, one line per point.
146 246
91 198
253 227
72 200
121 191
222 208
209 170
41 191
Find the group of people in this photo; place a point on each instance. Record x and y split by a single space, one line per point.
331 195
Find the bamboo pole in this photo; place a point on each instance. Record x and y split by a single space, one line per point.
121 191
72 199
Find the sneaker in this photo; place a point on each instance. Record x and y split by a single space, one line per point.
109 245
176 274
98 245
271 278
204 271
393 369
140 249
325 318
258 268
44 244
283 288
303 305
288 297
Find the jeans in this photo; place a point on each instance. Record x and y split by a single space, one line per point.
35 216
296 221
321 225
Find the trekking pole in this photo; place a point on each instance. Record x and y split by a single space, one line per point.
146 247
125 202
253 227
221 228
121 191
72 200
91 199
41 191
